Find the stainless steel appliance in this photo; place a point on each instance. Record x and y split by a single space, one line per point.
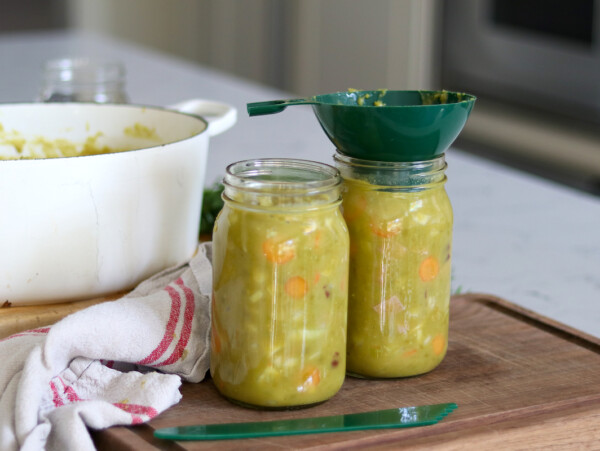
540 53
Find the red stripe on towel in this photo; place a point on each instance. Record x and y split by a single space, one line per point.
68 390
136 410
186 329
170 329
56 399
43 330
71 395
136 420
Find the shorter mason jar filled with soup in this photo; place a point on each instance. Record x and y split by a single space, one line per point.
280 281
400 223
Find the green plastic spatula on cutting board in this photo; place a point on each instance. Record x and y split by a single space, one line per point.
385 125
402 417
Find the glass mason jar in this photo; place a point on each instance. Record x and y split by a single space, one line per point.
280 272
83 80
400 223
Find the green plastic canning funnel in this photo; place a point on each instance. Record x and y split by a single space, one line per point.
385 125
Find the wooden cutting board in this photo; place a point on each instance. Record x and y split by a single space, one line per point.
15 319
521 382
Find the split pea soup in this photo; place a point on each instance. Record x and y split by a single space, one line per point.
280 280
400 223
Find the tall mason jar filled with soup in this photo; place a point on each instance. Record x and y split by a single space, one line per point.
280 280
400 223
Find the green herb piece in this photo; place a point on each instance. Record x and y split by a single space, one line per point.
212 204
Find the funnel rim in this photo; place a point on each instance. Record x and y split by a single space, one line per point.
468 98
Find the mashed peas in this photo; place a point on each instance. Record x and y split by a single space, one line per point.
399 284
16 146
279 305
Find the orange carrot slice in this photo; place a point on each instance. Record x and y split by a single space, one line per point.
318 236
429 269
438 343
296 287
277 251
388 229
311 377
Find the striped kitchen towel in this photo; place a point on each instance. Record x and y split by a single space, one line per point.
115 363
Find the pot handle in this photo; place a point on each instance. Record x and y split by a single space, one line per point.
220 116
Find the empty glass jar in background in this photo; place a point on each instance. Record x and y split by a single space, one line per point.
280 271
400 223
83 80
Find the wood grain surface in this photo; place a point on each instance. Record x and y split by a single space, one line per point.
15 319
520 381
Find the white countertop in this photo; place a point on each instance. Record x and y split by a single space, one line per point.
516 236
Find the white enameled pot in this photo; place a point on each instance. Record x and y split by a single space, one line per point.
86 226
